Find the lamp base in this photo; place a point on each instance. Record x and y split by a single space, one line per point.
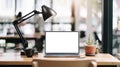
23 52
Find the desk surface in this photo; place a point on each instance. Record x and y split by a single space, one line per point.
105 59
14 59
102 59
16 38
35 36
17 59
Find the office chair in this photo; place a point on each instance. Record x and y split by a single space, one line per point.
97 38
39 43
66 63
82 34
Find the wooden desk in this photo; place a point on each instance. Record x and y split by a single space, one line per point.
105 59
28 37
14 59
101 59
16 38
17 59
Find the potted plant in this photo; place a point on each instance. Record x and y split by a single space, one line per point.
90 47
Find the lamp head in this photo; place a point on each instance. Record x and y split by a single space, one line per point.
47 12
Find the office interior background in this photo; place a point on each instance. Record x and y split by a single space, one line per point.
72 15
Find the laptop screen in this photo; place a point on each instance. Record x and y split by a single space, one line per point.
62 42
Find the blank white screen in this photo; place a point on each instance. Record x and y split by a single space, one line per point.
61 42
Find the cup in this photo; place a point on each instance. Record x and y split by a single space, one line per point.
29 52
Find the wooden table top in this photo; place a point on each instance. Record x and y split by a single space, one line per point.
17 59
105 59
101 59
14 59
35 36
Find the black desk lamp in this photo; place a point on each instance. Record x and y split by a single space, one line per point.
46 13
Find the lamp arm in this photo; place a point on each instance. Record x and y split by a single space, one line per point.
25 18
20 20
26 15
24 41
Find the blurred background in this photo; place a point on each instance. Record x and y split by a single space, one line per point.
84 16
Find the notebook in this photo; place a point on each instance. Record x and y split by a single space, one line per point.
62 44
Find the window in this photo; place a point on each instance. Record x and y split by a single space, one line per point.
88 14
116 26
7 10
62 21
25 6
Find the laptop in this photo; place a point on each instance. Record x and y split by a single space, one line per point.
62 44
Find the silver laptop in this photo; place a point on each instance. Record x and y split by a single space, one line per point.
62 44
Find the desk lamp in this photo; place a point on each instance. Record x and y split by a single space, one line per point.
46 13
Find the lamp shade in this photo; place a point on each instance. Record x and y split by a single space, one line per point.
47 12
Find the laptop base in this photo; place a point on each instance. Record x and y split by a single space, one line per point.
62 55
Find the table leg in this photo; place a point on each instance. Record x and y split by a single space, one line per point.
107 66
5 47
15 65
